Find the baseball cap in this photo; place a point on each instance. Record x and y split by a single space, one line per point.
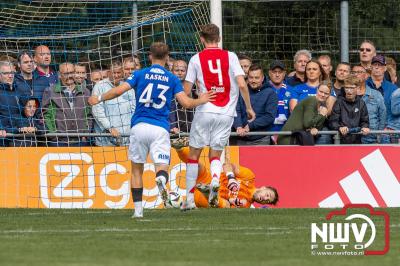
276 64
379 59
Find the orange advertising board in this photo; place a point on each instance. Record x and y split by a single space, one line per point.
87 177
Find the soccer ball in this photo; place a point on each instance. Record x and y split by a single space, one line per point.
174 199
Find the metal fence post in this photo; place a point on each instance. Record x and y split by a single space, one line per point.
344 31
336 138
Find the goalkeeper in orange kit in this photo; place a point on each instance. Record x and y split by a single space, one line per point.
237 188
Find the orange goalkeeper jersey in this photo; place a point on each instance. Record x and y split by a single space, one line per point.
245 177
246 189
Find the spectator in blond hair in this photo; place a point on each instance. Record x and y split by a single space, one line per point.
8 58
350 113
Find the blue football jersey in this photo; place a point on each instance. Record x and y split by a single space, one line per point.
154 89
302 91
284 94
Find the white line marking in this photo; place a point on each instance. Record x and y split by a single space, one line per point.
123 230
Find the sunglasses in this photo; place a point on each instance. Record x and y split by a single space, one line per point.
357 72
365 49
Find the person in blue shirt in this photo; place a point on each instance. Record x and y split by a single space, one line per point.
394 119
375 105
276 75
315 74
23 80
264 101
43 76
154 89
386 88
301 58
9 101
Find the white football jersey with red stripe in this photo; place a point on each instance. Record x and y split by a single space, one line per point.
216 69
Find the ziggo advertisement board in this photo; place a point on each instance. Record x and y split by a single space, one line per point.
89 177
94 177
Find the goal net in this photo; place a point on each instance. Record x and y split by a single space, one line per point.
97 35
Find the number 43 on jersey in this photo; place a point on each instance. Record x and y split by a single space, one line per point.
147 100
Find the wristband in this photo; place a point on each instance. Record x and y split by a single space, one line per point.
230 175
99 98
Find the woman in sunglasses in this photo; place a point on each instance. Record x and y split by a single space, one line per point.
367 51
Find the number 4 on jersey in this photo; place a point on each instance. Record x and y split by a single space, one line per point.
216 70
145 97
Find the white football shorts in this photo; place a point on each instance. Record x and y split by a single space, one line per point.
146 138
210 129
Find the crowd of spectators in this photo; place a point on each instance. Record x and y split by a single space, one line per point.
359 97
36 100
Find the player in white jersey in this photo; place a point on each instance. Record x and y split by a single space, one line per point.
154 88
216 70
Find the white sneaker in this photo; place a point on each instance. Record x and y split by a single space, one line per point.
213 196
188 205
137 215
163 190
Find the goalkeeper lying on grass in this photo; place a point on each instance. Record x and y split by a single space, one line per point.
237 188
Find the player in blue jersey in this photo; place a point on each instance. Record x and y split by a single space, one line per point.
154 89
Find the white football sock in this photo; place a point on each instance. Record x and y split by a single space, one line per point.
138 208
192 170
215 168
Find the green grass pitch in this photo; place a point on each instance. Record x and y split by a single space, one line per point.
170 237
